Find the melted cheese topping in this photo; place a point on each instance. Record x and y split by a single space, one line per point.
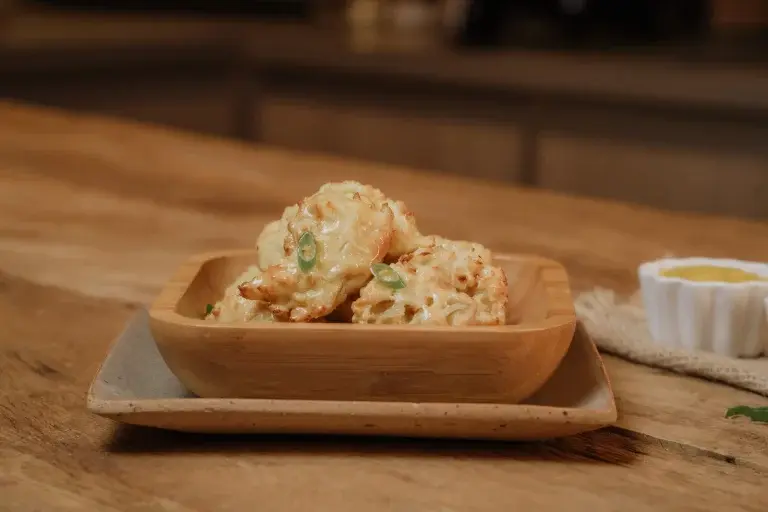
446 283
712 273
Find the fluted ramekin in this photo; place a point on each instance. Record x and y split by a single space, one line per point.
729 319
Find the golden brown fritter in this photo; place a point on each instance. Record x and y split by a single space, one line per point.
271 244
405 233
446 283
350 232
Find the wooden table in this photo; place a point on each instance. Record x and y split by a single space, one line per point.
95 215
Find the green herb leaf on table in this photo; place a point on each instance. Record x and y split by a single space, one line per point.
759 414
208 309
307 251
387 276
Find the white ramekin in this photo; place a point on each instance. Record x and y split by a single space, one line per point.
765 352
729 319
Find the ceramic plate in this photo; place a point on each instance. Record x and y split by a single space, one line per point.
135 386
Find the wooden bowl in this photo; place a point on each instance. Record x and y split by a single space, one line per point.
327 361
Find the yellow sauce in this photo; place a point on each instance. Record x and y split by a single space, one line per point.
712 273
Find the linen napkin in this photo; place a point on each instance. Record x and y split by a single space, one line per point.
618 326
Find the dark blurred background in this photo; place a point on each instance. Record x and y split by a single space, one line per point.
658 102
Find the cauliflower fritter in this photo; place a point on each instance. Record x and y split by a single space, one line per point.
350 232
274 238
446 283
233 307
405 233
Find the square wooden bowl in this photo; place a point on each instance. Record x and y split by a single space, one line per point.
327 361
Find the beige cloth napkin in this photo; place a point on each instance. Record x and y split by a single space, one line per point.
619 327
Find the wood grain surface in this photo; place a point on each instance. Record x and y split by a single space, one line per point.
95 215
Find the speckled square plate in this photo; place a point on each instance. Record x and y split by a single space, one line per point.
135 386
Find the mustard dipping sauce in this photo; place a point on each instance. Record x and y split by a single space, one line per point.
712 273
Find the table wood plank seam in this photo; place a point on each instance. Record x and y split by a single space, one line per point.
692 450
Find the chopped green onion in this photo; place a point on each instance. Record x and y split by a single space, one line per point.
387 276
759 414
307 251
208 309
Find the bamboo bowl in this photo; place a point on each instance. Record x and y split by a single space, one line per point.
327 361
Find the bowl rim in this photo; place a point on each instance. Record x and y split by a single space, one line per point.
651 270
163 309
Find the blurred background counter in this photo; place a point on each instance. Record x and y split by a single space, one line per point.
671 112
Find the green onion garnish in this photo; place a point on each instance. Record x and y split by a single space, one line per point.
759 414
208 309
307 251
387 276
